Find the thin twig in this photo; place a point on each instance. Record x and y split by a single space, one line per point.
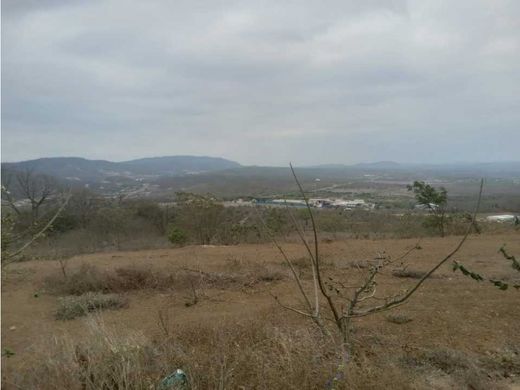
313 261
288 262
316 251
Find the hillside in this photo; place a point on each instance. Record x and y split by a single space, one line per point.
80 169
444 335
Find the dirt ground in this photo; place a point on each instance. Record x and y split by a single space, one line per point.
450 311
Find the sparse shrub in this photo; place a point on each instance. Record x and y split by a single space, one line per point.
77 306
446 360
89 278
138 277
409 273
266 274
398 319
86 279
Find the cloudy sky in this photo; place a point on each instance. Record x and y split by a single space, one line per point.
262 82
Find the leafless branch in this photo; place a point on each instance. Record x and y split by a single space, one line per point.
316 249
311 257
288 262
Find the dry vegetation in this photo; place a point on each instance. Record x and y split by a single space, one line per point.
209 310
77 306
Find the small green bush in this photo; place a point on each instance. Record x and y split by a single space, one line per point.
177 236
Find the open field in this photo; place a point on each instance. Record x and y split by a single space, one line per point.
209 310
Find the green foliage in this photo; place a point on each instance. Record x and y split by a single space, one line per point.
428 196
502 285
467 272
7 353
514 262
435 201
177 236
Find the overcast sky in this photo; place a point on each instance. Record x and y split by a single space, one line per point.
262 82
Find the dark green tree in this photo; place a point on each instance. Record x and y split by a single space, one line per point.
435 201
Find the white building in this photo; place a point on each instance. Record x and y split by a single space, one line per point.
509 218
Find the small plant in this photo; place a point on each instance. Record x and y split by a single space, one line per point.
77 306
7 353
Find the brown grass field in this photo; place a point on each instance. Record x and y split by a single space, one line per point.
209 310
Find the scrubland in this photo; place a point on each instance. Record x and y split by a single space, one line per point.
126 319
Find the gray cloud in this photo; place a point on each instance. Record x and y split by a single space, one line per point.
262 82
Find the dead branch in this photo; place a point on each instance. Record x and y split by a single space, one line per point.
316 250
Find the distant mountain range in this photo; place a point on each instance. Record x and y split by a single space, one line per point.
81 169
160 177
186 170
476 168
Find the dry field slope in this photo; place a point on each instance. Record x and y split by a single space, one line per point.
456 324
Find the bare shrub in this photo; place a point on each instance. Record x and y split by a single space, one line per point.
269 275
86 279
446 360
139 277
89 278
398 319
409 273
226 280
77 306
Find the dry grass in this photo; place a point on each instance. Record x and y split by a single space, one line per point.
464 370
89 278
228 355
237 337
77 306
260 354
